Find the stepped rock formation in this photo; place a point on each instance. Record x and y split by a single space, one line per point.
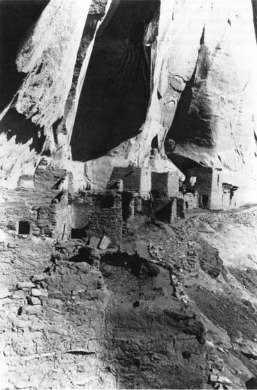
202 95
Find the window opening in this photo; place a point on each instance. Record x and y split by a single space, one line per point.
24 227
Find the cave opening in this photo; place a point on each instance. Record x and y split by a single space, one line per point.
17 19
182 163
116 91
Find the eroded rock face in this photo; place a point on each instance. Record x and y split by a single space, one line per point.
49 61
201 57
203 95
55 64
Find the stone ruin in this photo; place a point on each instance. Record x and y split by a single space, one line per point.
118 126
212 191
46 205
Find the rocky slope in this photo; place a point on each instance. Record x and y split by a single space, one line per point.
174 307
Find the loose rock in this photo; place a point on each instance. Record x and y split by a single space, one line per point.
39 277
25 285
35 292
94 242
224 380
18 294
35 301
105 242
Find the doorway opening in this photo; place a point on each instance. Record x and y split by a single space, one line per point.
24 227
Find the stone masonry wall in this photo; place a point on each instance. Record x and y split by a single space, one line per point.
166 183
134 179
203 182
107 222
27 204
191 200
98 215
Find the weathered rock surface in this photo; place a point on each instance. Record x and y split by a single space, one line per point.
55 64
203 96
115 83
202 91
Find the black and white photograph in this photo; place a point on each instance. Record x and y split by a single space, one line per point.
128 194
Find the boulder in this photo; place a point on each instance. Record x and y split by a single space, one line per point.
25 285
35 292
94 242
105 242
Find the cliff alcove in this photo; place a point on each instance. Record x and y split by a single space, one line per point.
128 194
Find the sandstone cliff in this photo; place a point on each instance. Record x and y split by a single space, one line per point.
202 96
204 87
